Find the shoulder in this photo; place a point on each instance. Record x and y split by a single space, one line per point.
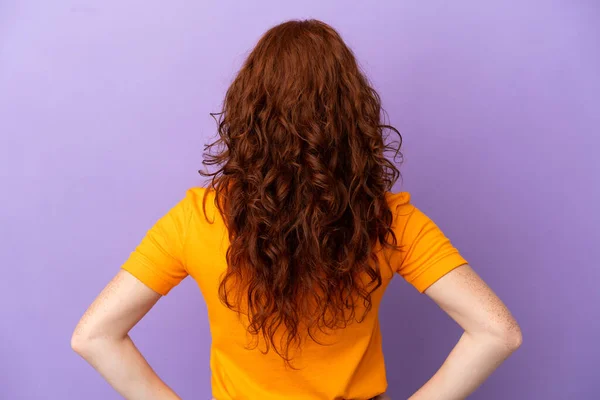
399 203
196 192
405 213
200 202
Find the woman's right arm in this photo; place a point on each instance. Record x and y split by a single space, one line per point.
491 334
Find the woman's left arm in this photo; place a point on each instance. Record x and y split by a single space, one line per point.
102 339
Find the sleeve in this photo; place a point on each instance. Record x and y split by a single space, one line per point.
158 259
426 253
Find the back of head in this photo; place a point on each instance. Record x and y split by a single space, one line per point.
301 179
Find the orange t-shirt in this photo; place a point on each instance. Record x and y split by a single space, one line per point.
349 366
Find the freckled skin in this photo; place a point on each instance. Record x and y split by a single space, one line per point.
102 304
101 337
491 335
496 312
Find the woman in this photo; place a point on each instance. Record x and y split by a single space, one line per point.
294 243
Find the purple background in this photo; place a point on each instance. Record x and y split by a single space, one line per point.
104 109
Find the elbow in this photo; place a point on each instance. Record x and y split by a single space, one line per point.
84 342
511 337
505 337
91 344
79 343
515 339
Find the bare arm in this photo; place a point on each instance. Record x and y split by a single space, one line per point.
490 335
102 339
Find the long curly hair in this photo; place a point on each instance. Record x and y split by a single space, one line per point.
300 180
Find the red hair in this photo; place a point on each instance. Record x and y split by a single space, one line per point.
300 182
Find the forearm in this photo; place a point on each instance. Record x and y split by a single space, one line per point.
125 369
469 364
